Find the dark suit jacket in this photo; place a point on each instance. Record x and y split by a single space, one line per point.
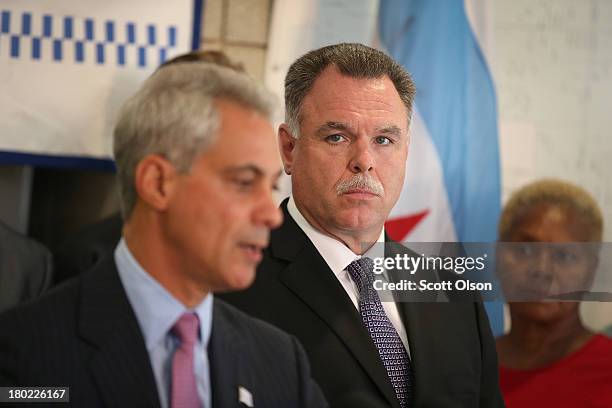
452 348
84 334
25 268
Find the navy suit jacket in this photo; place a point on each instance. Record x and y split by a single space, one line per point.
452 349
84 334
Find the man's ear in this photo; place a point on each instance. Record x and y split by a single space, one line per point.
155 181
287 143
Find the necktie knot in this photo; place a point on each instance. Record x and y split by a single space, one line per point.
186 328
362 273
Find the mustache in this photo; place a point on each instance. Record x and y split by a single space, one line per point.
362 182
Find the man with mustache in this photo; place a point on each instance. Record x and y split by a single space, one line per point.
197 165
345 144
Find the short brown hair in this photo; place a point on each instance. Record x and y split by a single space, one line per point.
351 59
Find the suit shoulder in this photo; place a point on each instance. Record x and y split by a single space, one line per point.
58 304
16 242
25 265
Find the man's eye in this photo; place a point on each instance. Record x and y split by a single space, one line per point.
383 140
334 138
243 184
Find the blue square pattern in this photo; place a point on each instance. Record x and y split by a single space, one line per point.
47 25
57 50
15 46
26 23
67 27
100 53
35 48
89 29
132 49
5 22
121 55
79 51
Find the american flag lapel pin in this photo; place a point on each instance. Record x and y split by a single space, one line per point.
245 397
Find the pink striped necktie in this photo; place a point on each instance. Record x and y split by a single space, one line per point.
184 390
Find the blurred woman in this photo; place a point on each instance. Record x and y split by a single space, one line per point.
549 358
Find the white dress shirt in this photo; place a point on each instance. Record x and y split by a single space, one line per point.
338 257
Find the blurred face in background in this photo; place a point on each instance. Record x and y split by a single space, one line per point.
221 212
348 164
532 270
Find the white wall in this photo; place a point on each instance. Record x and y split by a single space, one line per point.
553 71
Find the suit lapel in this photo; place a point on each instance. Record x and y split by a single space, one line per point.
425 329
120 365
311 280
223 354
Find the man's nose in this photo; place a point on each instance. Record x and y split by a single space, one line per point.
362 159
268 213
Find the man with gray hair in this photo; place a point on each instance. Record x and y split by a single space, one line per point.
197 165
345 144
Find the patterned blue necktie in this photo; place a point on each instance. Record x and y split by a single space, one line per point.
383 334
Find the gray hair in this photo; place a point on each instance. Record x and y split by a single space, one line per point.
353 60
174 115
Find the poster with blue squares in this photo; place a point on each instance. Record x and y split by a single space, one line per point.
66 66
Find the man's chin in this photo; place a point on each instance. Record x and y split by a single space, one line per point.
240 280
359 220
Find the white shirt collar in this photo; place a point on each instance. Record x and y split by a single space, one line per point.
337 255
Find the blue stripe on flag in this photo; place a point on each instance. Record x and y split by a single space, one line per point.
456 98
131 33
36 48
15 46
47 24
57 50
6 22
89 29
79 51
100 53
121 54
26 24
67 27
110 31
